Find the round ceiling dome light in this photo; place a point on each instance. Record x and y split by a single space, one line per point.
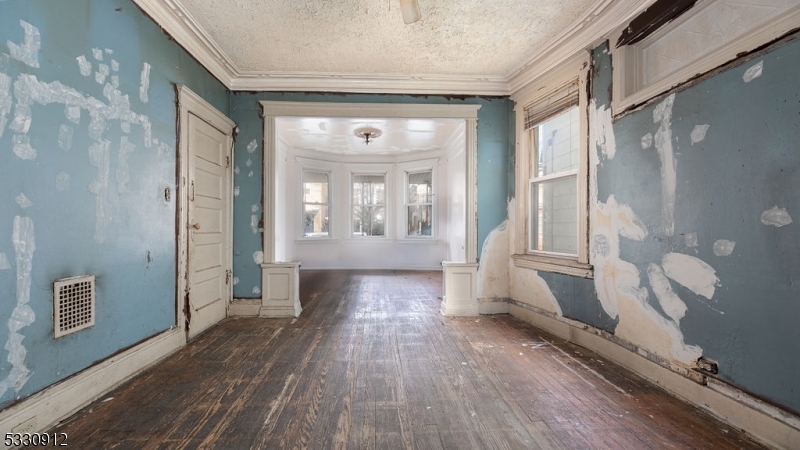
367 133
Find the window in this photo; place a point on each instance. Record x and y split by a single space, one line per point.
369 205
316 204
552 181
419 204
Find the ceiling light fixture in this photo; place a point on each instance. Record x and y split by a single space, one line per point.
367 133
410 10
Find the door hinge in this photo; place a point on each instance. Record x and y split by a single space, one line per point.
227 276
191 192
227 161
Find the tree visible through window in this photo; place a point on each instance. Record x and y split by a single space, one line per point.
369 205
316 204
419 204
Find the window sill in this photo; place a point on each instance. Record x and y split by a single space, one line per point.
316 241
565 266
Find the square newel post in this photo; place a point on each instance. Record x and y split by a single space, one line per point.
460 290
280 290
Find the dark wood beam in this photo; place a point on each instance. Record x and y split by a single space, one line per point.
654 17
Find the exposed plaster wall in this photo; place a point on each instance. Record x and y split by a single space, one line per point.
691 232
87 149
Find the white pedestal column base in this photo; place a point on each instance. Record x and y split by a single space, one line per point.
280 290
460 290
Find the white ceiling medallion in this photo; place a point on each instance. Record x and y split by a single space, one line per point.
367 133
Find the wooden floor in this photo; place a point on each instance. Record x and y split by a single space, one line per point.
371 363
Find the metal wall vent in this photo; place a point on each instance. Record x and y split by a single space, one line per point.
73 304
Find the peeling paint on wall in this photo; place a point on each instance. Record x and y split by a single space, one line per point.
23 315
251 147
672 305
65 137
28 51
62 181
99 158
256 290
258 257
493 280
254 223
647 141
601 131
144 83
663 140
84 66
125 148
691 239
5 101
23 201
235 281
777 217
699 133
723 247
753 72
693 273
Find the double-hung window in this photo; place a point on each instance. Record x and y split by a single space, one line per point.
552 177
419 204
316 204
369 204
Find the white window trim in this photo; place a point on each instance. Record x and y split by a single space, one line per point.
303 236
387 227
404 169
576 67
628 68
314 165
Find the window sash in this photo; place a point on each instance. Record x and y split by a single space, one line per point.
535 216
371 190
312 177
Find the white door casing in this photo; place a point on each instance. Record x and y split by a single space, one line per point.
205 214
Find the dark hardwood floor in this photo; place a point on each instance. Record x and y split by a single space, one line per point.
371 363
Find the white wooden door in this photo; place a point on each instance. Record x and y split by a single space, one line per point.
209 250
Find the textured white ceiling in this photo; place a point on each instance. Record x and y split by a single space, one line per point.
367 37
400 136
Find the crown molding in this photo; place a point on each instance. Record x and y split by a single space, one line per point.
595 24
175 20
370 83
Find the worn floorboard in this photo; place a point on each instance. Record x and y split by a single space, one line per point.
372 364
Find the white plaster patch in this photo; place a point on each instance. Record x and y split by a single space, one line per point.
647 141
28 51
65 137
125 148
101 74
249 162
691 239
256 290
23 201
251 147
601 130
22 147
723 247
672 305
235 281
236 191
254 223
4 262
493 277
22 315
236 170
115 65
73 114
250 174
97 53
663 141
99 158
753 72
84 66
115 81
109 51
258 257
164 149
254 208
5 101
699 133
62 181
144 83
777 217
692 273
22 114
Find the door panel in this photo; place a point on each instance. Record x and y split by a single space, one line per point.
210 206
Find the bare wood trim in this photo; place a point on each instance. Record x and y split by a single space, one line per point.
566 266
651 19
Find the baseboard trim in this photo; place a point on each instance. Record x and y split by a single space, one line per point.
245 307
43 410
764 422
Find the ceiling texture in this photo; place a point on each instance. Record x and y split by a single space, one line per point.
467 47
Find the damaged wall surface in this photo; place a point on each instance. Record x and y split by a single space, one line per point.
692 232
87 149
494 119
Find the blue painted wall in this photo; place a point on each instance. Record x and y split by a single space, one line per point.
495 144
132 254
748 163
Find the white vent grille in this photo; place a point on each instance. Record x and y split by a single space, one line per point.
73 304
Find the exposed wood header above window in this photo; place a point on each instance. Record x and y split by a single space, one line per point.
654 17
560 100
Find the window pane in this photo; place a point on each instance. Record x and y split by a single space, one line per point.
554 216
369 220
315 220
369 189
315 187
557 144
420 187
420 220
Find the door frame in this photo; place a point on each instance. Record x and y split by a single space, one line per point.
191 103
